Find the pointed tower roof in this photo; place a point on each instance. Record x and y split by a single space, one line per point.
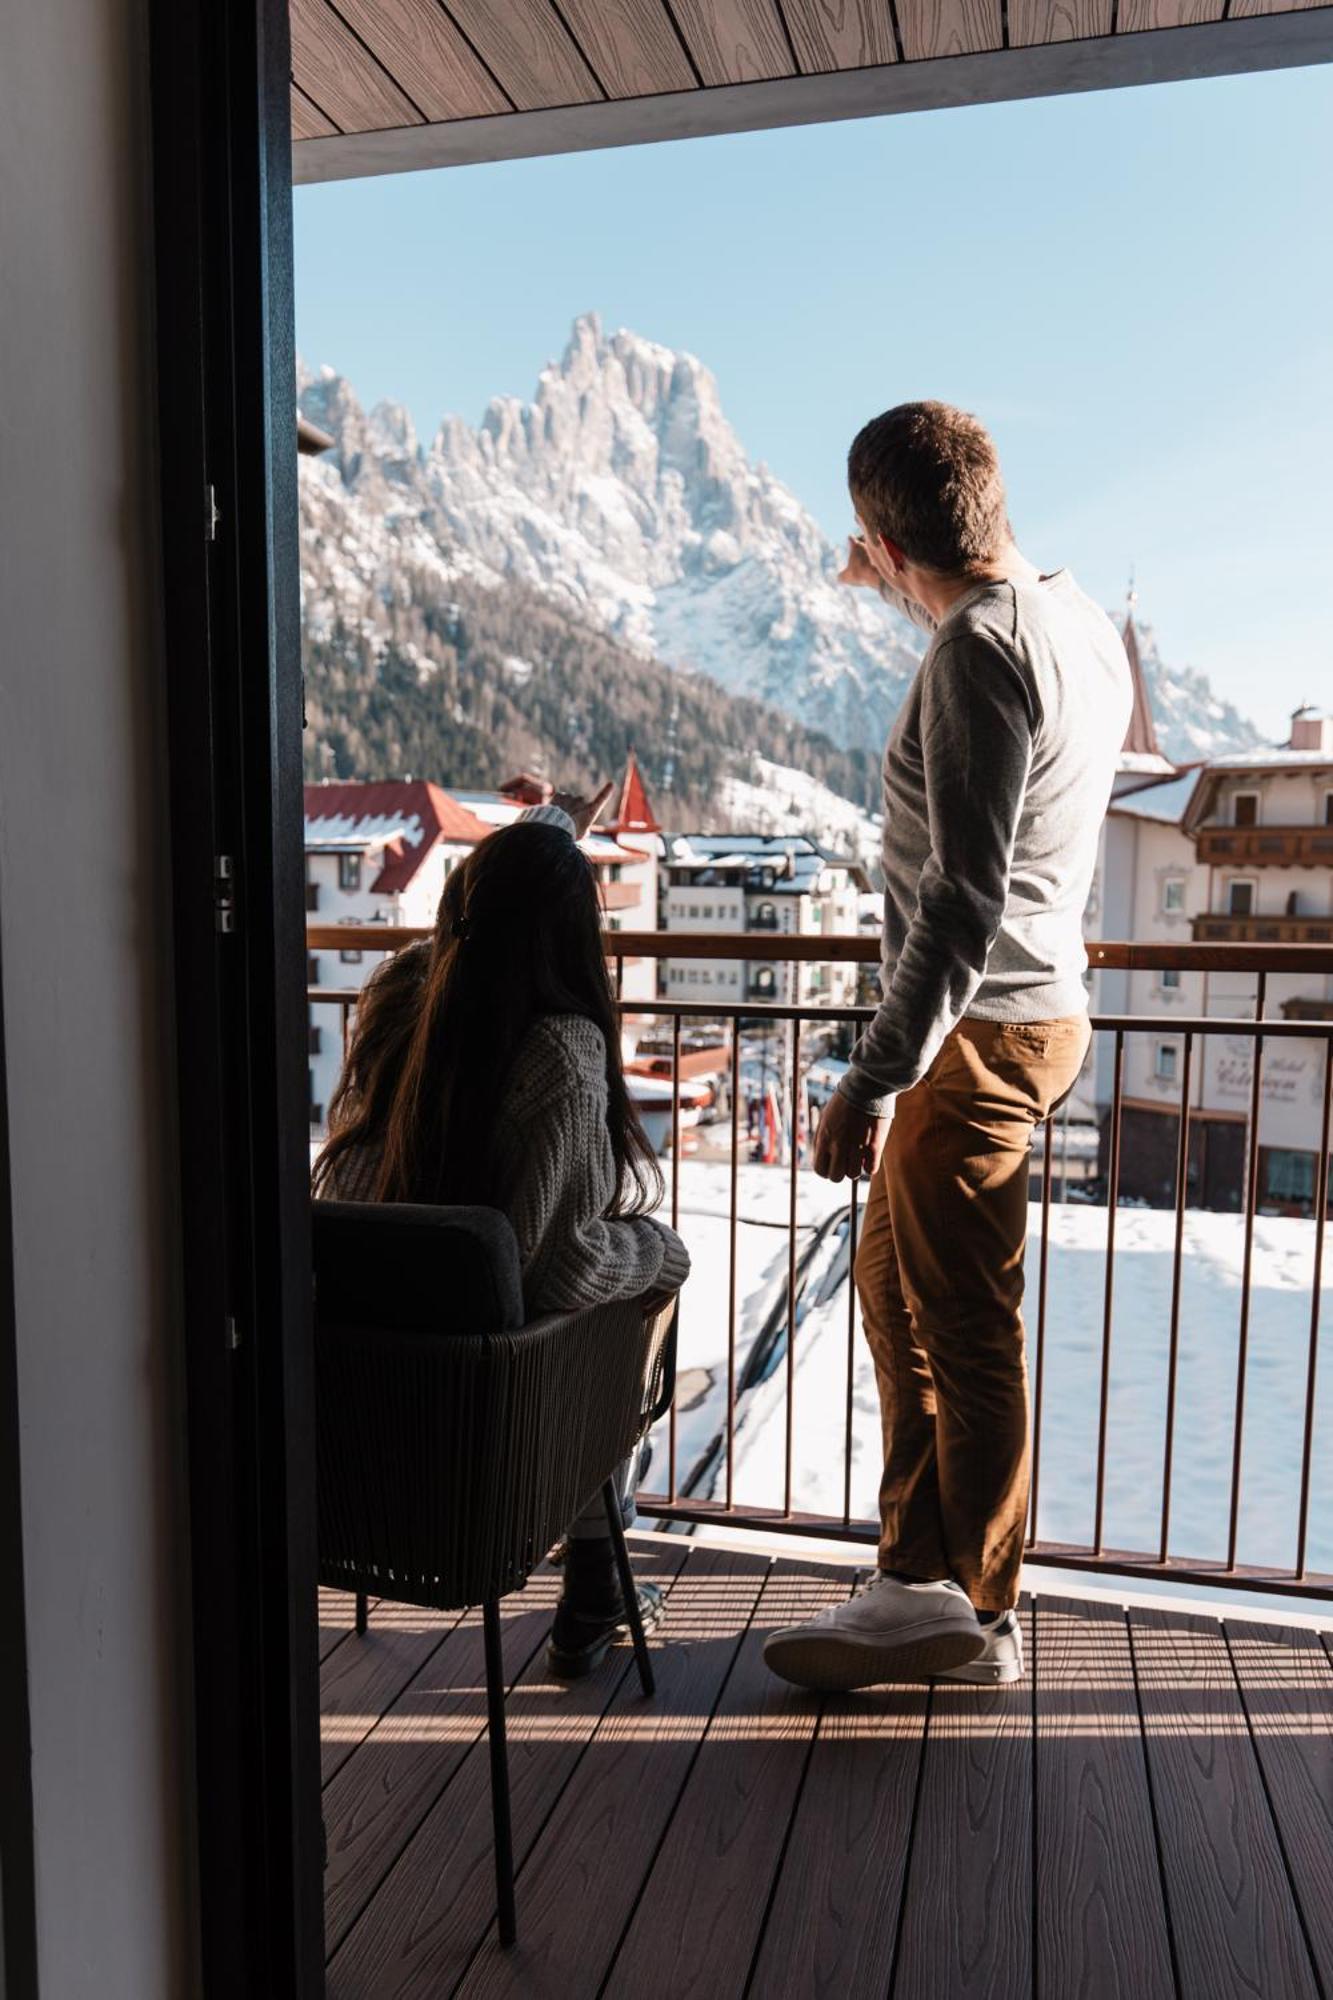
632 812
1141 736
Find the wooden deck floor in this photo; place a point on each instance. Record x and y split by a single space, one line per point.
1150 1813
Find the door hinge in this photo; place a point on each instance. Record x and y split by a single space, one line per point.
233 1332
224 893
212 513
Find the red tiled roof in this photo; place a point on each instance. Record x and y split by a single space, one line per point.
417 813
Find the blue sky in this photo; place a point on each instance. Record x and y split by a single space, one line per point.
1134 289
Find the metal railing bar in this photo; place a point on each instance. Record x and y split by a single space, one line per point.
852 1220
1316 1289
1177 1271
1050 1555
1043 1267
794 1164
1112 1199
1246 1274
731 1256
675 1223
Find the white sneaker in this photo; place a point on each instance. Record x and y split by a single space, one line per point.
889 1631
1001 1661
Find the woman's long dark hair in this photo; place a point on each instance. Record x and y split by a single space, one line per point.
386 1017
518 936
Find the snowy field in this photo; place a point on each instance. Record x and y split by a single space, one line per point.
1210 1321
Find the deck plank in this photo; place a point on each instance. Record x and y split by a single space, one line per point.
1287 1683
834 1916
1232 1910
386 1788
337 1617
577 1890
1101 1922
419 1933
967 1916
364 1677
725 1843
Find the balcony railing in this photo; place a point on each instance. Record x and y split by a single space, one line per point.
1267 846
1109 1391
1225 929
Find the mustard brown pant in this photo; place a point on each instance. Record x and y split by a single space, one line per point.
939 1273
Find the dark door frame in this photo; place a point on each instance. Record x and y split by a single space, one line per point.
18 1919
226 370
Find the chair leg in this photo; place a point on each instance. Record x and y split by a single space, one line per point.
495 1720
628 1593
362 1613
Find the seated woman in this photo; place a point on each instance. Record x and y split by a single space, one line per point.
485 1068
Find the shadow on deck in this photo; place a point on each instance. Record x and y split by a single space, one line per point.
1150 1813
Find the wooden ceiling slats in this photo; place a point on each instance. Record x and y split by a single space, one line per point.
374 66
840 34
734 41
631 45
1136 15
525 45
1033 21
308 121
1241 8
949 27
330 63
427 57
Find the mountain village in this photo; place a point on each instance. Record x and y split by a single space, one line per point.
1235 847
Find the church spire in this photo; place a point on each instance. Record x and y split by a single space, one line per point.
1141 736
632 812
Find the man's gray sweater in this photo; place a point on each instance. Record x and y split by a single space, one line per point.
996 782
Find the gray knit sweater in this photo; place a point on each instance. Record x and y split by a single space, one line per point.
553 1150
996 782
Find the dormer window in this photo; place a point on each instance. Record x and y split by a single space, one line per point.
1245 809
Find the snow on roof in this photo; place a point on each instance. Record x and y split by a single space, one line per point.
1165 802
409 816
1270 760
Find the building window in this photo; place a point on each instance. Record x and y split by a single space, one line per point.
312 968
1164 1064
315 1038
1240 899
351 957
1245 809
349 871
1170 981
1289 1176
693 910
1173 893
1328 808
311 896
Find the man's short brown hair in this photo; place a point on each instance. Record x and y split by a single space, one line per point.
927 477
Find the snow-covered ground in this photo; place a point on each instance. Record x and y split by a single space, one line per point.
1209 1332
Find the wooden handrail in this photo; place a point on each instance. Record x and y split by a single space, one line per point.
1104 955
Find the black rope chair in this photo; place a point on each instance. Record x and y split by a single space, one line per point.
454 1443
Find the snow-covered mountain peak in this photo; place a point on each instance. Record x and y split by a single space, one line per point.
622 492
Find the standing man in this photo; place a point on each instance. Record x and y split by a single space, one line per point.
996 781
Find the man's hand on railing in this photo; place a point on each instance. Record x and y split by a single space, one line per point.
583 812
849 1144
